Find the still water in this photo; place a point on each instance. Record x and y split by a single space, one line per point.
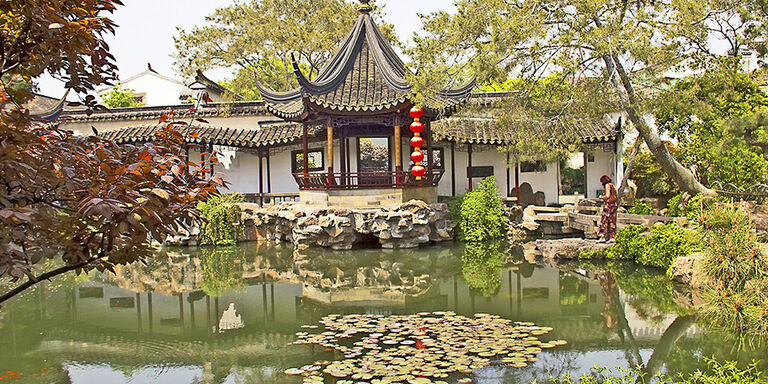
227 315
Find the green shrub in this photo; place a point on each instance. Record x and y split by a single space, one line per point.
482 214
736 271
629 244
592 254
658 248
221 220
690 209
666 243
727 373
640 208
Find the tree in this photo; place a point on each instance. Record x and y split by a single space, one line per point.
625 46
83 202
260 37
716 117
119 97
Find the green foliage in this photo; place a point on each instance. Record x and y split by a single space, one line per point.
221 224
692 208
650 293
119 97
657 248
454 206
591 254
717 373
261 37
640 208
651 180
222 270
736 271
481 266
712 116
572 179
629 245
666 243
482 215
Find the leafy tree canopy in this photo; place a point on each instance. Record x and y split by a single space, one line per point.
83 202
717 119
623 48
119 97
260 36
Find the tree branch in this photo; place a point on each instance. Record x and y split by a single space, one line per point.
45 276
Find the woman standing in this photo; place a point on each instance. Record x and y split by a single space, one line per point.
610 209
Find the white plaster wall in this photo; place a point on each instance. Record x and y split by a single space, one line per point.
543 181
157 89
604 164
243 172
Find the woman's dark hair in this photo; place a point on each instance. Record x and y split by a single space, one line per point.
605 179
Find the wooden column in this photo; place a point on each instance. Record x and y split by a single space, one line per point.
269 174
210 156
349 160
453 169
261 178
428 137
469 167
342 156
304 149
398 146
329 139
202 159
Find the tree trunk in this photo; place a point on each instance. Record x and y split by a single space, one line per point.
630 166
682 176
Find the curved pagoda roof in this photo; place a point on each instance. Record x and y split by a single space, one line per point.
365 77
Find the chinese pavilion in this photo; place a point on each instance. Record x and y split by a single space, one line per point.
360 101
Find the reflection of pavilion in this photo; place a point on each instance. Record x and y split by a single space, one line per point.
129 330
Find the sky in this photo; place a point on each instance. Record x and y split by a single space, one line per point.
147 27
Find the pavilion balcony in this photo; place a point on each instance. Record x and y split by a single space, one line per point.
324 181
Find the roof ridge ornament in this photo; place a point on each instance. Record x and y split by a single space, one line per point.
365 7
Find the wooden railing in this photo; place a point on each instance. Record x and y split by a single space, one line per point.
365 180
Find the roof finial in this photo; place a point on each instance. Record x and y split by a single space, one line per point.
364 6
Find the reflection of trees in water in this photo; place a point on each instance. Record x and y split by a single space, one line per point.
481 266
554 363
649 293
222 269
616 319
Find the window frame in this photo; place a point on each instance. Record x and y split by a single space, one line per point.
295 165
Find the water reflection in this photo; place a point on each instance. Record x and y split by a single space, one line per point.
227 314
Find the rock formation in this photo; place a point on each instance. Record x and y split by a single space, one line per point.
405 225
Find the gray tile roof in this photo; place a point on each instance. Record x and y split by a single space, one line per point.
268 135
483 130
365 75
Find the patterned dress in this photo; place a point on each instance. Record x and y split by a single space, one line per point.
608 217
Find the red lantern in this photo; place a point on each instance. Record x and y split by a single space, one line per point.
416 112
417 142
417 127
417 157
418 170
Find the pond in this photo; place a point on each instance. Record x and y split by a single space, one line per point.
229 315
